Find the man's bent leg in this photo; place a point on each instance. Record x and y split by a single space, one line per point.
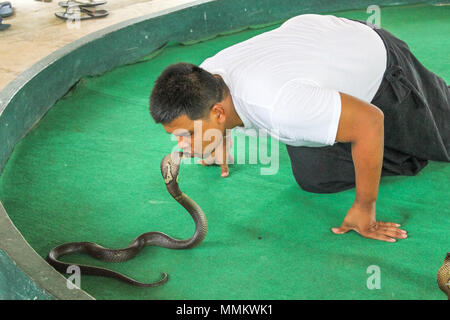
323 170
330 169
415 103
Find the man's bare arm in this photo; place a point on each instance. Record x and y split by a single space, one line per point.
362 124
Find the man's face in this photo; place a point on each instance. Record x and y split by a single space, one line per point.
198 138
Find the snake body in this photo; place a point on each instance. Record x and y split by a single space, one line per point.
443 276
170 166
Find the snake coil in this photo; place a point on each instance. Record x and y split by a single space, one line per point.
170 166
443 276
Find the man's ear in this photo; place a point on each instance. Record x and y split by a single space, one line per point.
218 112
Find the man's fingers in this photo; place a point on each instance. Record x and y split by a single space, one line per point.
207 161
203 163
380 236
386 232
371 235
393 232
224 170
388 224
391 229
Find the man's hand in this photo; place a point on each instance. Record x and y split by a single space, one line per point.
362 220
362 124
221 156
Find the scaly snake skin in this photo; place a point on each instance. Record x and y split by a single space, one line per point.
170 166
443 276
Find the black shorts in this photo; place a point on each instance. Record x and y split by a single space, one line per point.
416 107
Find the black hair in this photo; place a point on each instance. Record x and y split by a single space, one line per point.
184 88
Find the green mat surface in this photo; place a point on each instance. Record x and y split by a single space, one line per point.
89 171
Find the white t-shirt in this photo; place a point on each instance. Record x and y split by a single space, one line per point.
286 81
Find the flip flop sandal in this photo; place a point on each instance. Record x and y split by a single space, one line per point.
3 26
6 9
86 4
81 14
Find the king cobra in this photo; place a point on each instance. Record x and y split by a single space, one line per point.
170 166
443 276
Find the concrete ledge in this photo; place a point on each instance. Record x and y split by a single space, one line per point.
34 278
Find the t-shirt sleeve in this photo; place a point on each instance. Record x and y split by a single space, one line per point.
306 114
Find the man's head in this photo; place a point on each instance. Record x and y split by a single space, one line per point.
186 97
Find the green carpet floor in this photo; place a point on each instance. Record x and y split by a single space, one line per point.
89 171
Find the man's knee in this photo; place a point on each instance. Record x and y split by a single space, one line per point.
323 170
323 187
308 186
